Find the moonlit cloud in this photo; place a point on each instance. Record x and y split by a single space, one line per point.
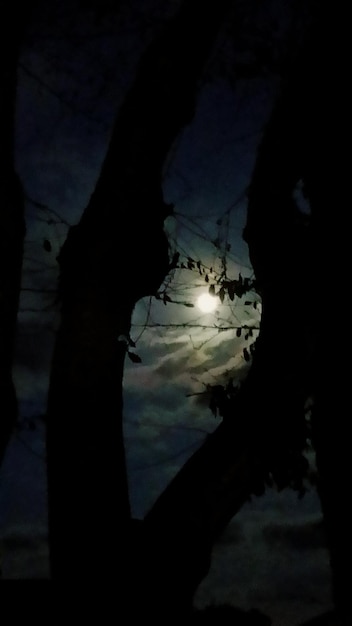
251 570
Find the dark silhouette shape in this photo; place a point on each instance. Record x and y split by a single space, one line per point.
300 263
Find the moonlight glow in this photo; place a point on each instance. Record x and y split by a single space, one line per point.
207 303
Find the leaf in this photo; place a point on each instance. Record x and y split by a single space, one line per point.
174 260
135 358
189 304
206 278
247 302
212 290
246 355
238 332
221 294
47 245
166 298
231 290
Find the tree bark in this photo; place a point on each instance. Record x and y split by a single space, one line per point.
117 254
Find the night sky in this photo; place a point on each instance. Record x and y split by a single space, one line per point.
273 555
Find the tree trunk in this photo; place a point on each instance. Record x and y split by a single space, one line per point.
117 254
180 529
264 429
12 222
299 267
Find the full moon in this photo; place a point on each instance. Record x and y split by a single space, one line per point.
207 303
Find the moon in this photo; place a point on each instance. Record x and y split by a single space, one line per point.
207 303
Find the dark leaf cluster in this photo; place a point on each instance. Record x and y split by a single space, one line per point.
282 449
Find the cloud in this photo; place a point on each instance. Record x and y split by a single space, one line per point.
270 533
25 553
23 507
33 353
164 423
173 365
203 357
307 536
162 429
23 537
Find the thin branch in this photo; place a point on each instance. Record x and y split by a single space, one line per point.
44 207
68 103
204 326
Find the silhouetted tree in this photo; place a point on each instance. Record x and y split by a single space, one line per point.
117 254
299 261
12 222
264 432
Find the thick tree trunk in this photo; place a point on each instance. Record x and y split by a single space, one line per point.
12 222
12 232
117 254
263 431
180 529
300 267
